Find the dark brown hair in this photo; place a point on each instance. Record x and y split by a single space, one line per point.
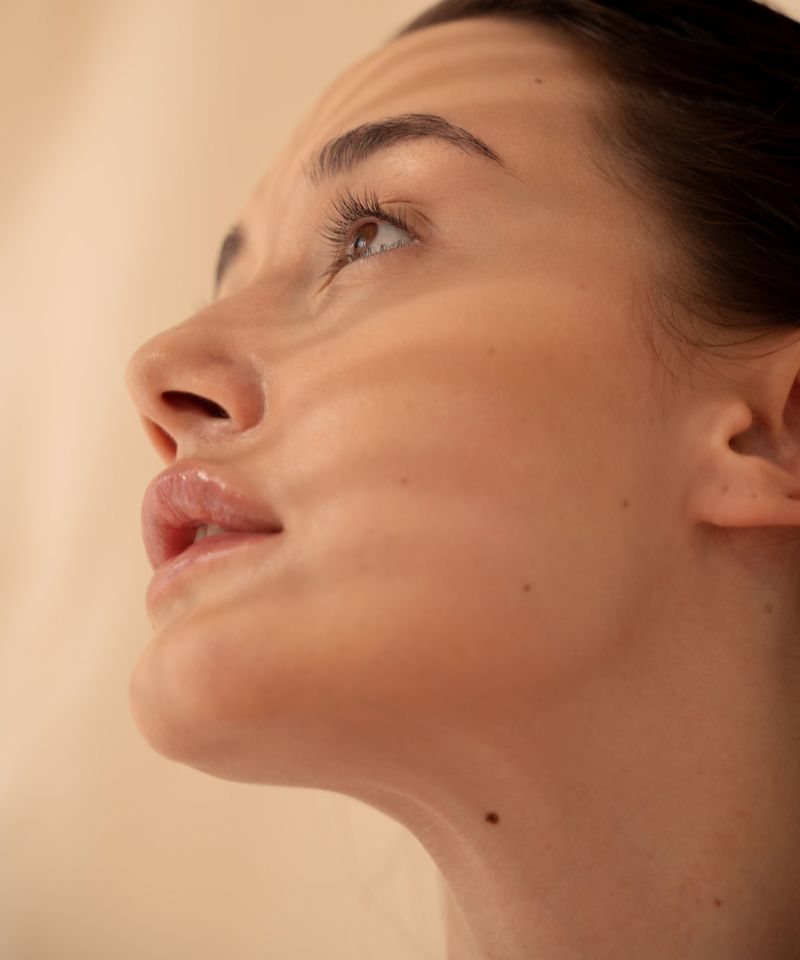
704 124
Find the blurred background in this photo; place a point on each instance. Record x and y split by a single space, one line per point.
132 133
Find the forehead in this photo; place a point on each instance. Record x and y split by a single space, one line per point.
519 87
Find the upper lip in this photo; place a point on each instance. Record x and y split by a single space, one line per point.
189 494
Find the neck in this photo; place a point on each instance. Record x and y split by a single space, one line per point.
674 825
639 802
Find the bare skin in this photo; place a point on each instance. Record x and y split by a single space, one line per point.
536 595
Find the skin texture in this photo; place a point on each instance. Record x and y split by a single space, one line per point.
531 566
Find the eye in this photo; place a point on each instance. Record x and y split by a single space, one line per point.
360 228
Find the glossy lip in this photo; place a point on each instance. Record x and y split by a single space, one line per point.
188 494
176 502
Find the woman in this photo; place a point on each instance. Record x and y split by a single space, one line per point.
491 439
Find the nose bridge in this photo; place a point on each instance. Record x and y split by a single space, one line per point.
196 384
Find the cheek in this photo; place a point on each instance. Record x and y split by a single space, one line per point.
395 612
453 544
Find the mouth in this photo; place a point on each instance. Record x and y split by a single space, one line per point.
175 542
187 510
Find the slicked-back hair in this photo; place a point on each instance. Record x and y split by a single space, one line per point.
703 123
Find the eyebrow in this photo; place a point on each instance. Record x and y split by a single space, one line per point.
347 151
344 153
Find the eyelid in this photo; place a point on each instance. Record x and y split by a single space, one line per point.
349 211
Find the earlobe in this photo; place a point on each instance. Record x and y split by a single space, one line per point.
745 476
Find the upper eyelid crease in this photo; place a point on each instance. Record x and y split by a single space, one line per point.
349 207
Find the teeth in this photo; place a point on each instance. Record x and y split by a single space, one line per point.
206 529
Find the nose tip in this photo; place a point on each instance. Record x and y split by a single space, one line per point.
190 392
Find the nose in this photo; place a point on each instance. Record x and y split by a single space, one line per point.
194 388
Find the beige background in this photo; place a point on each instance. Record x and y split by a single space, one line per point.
132 132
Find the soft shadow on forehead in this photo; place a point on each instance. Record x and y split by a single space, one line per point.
449 62
457 70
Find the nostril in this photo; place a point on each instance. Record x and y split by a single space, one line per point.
179 400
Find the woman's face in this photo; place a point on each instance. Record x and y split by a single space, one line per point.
460 433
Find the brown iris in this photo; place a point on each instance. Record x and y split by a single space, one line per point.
363 238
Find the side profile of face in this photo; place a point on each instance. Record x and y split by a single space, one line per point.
501 608
453 409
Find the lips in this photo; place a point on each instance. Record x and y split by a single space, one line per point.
187 495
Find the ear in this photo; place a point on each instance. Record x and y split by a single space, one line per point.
748 452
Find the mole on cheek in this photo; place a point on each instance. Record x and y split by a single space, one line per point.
492 817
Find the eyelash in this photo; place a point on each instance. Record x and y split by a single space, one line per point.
348 210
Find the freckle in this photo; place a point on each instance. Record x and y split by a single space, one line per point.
726 488
492 817
403 479
754 496
538 79
717 902
526 587
491 351
768 607
626 504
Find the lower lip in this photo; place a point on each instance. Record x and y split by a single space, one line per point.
197 556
